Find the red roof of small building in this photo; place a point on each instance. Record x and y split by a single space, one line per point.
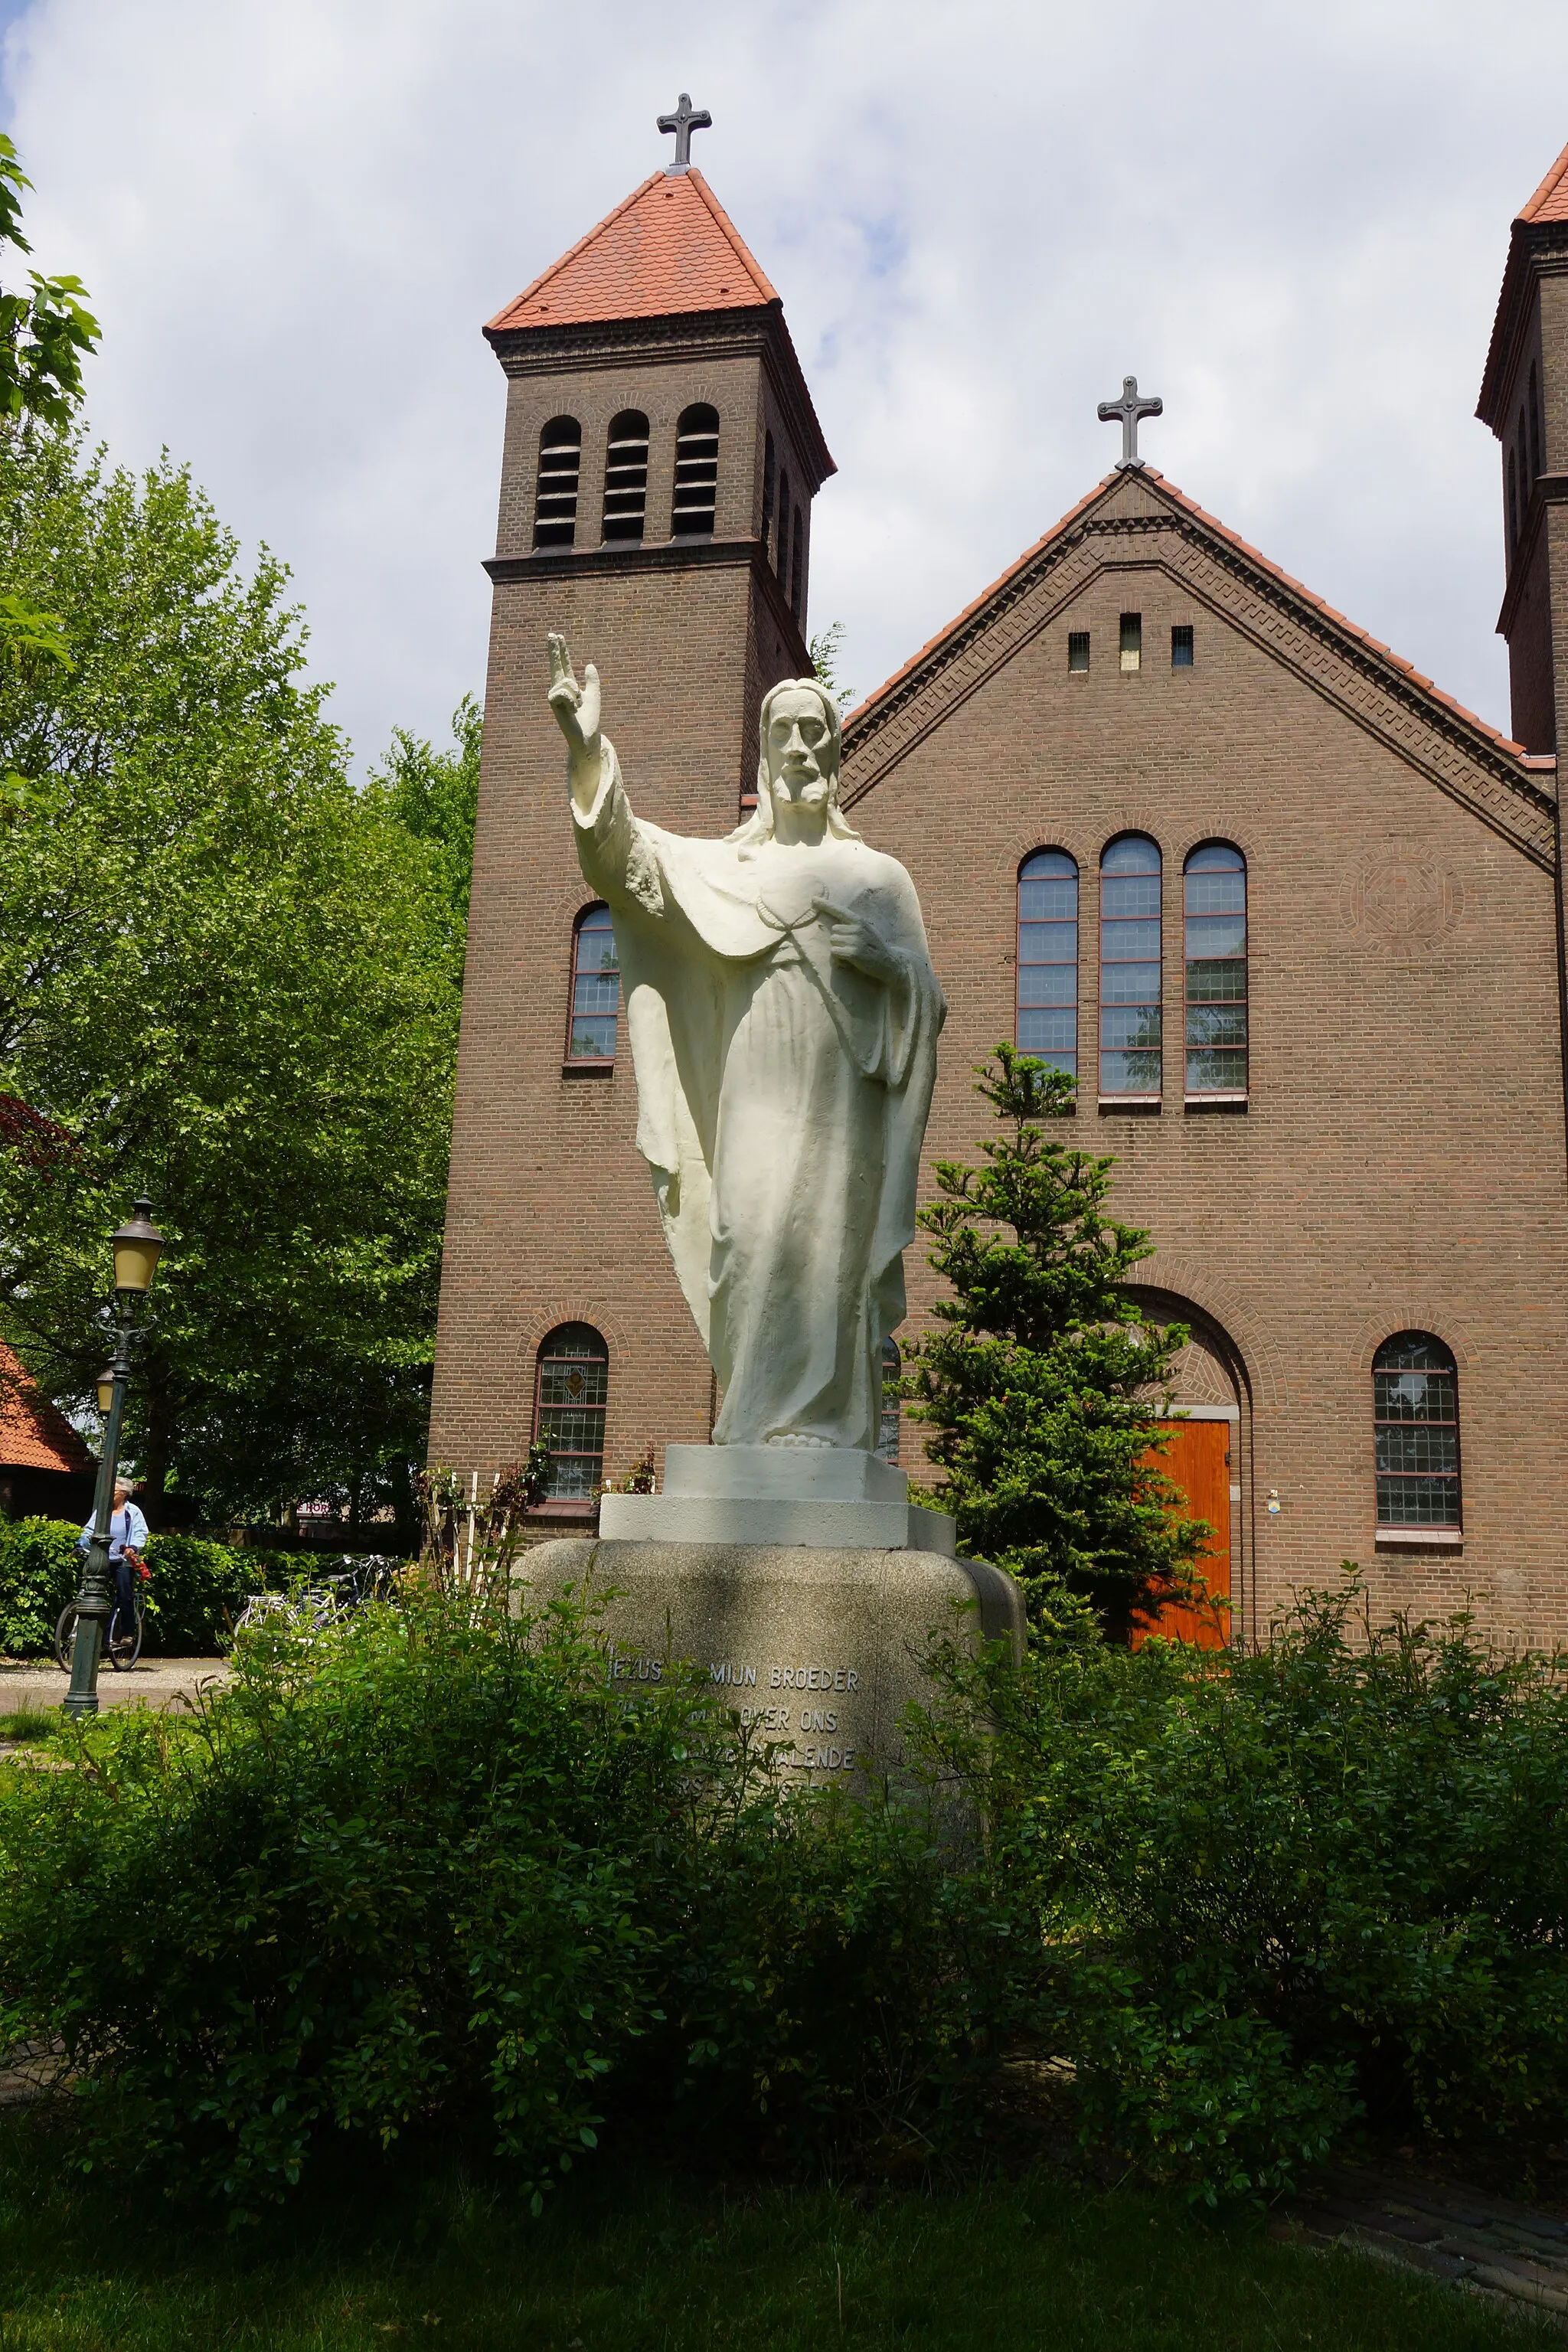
1550 201
34 1433
670 248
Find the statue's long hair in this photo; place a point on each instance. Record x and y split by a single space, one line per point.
759 826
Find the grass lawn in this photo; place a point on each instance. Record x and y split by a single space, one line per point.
29 1723
650 2263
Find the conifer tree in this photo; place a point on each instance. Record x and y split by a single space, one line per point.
1043 1381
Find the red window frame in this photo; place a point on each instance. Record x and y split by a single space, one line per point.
572 1351
1048 866
591 924
1234 1058
1388 1425
1110 877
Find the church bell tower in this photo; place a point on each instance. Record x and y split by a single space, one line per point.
1524 400
661 456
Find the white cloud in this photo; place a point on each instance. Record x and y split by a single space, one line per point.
294 214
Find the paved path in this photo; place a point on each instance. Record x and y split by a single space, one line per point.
155 1682
1478 2243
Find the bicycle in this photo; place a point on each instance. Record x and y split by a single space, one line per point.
309 1612
120 1650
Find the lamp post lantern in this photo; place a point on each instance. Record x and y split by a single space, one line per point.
137 1247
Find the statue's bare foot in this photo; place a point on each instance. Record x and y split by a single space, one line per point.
793 1437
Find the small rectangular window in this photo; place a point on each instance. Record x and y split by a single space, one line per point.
1077 650
1132 640
1182 646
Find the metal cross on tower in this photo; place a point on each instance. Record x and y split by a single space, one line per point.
683 123
1129 409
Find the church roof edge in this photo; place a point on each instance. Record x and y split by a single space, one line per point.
1454 709
1546 212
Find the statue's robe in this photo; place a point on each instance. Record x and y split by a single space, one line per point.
782 1103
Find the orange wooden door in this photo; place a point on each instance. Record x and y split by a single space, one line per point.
1198 1462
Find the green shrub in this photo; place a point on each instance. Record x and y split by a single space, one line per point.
430 1866
40 1569
1282 1890
425 1866
195 1590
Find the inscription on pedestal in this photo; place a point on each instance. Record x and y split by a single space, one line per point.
819 1652
800 1728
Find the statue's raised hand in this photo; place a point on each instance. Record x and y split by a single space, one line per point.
576 710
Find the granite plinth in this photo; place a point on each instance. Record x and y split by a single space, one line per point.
828 1497
820 1648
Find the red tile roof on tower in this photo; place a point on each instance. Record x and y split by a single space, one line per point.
34 1433
670 248
1545 213
1550 201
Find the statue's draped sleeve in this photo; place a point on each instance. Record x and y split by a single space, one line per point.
672 998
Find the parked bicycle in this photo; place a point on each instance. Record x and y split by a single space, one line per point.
122 1645
309 1609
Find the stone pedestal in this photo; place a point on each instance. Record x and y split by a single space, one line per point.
818 1646
829 1496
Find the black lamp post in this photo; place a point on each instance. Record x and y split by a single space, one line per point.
137 1246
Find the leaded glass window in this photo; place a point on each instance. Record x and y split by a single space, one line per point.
1130 1038
573 1388
1048 959
888 1435
596 989
1215 895
1415 1417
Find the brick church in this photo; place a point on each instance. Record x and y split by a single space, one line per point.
1293 918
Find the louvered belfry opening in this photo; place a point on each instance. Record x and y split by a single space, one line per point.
625 475
696 472
559 463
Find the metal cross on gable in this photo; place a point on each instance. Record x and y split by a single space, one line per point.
1129 409
683 123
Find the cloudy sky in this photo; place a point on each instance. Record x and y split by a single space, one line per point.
294 216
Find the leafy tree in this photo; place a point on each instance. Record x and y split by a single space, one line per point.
44 336
45 333
434 794
226 978
1042 1382
825 649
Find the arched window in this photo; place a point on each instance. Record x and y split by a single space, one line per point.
1535 465
1129 968
696 472
571 1389
1048 959
888 1435
596 989
625 475
1215 891
797 562
1415 1416
782 566
770 492
555 499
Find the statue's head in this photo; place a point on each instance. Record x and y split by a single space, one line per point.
799 738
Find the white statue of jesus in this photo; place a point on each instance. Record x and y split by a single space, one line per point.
783 1017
